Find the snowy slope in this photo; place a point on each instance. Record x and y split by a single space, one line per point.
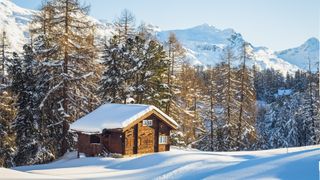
14 20
205 45
299 55
292 163
12 174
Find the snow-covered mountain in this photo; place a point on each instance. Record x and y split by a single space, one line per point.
300 55
204 44
14 20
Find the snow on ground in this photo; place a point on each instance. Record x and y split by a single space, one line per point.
12 174
292 163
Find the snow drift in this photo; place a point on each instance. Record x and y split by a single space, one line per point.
292 163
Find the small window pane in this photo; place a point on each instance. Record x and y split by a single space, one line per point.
147 122
163 139
94 139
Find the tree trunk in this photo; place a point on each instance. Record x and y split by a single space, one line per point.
65 127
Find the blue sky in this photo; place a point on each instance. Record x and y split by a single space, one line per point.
277 24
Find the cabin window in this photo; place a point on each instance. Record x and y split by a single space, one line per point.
94 139
163 139
147 122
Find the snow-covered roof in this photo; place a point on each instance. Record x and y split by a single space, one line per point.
113 116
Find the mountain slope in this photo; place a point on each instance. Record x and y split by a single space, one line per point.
205 45
300 55
14 20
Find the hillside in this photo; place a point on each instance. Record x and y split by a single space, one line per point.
299 56
292 163
205 45
15 21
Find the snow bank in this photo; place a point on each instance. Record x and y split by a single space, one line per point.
292 163
13 174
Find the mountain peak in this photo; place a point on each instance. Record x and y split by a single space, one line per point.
300 55
205 25
312 41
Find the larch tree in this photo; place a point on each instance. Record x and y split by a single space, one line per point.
247 102
185 104
227 100
65 45
125 26
175 52
4 46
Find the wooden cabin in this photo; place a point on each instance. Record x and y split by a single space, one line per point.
125 129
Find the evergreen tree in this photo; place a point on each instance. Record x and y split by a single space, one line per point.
114 83
151 68
27 122
7 137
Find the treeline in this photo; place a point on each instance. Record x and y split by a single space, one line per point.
286 112
65 72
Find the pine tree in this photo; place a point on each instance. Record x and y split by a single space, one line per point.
151 67
27 122
7 137
114 83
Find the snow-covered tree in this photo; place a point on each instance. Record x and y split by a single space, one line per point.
7 136
114 84
30 149
4 46
151 65
65 43
247 105
175 53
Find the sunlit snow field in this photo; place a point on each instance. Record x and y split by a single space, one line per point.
292 163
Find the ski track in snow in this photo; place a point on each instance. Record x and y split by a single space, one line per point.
294 163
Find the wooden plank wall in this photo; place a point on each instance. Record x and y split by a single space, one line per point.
141 139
